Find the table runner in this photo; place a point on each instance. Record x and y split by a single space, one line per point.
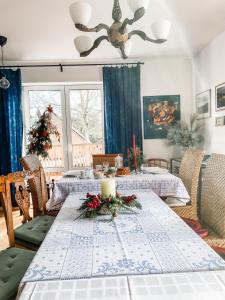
162 184
154 241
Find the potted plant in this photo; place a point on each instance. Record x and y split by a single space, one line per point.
186 135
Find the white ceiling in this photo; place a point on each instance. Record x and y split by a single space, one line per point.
39 30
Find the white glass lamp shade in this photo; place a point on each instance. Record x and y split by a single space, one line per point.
4 83
80 12
83 43
161 29
135 4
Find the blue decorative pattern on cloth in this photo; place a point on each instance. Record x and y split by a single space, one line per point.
162 184
153 241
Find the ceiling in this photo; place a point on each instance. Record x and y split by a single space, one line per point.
42 30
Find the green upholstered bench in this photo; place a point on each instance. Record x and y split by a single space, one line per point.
32 233
13 265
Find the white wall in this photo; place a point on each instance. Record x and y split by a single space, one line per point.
167 76
209 72
159 76
69 74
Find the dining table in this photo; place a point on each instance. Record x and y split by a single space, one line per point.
163 183
148 252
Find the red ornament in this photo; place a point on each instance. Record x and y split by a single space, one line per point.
44 133
95 203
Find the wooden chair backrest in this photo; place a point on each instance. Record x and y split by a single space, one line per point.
2 195
99 159
2 184
38 185
213 194
158 162
21 196
189 172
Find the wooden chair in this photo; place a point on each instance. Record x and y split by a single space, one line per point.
13 261
189 173
158 162
33 231
99 159
213 201
38 186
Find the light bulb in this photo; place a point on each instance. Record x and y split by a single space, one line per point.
4 83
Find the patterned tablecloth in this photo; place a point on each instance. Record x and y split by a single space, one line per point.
153 241
162 184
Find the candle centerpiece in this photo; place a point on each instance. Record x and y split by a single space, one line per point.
99 204
108 187
134 156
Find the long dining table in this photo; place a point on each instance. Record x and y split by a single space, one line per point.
130 257
163 184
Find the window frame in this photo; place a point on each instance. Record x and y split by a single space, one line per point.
68 88
66 117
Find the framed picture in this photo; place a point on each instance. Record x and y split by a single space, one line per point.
160 112
203 104
220 97
220 121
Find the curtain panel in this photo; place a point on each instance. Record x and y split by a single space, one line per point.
122 108
11 123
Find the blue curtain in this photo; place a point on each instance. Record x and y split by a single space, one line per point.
122 108
11 123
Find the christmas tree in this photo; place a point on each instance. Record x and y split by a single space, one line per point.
39 136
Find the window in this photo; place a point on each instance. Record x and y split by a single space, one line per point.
78 115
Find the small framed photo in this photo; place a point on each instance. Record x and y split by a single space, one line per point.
220 97
220 121
203 104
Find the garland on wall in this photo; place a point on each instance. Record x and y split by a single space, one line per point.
39 136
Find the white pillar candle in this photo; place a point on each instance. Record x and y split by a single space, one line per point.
108 187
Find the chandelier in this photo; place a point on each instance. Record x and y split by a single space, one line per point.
117 34
4 83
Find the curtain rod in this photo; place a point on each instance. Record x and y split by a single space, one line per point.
68 65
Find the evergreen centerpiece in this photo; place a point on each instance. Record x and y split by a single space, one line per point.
97 204
39 136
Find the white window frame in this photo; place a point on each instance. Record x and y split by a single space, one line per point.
65 107
68 88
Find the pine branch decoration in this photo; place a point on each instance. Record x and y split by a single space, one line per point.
39 136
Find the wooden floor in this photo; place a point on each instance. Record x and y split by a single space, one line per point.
3 232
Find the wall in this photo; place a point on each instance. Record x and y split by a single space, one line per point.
167 76
159 76
209 72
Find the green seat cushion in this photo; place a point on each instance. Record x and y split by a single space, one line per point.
33 232
13 265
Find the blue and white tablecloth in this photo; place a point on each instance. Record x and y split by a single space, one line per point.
163 185
153 241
